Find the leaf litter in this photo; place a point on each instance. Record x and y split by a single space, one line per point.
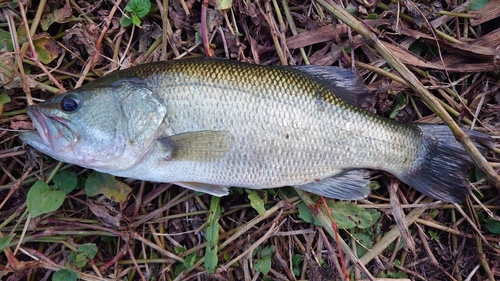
159 231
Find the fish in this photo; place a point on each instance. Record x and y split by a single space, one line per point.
209 124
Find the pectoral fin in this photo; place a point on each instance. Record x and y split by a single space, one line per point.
201 146
212 189
349 185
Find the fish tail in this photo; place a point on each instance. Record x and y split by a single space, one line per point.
440 171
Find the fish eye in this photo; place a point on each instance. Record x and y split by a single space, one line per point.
69 103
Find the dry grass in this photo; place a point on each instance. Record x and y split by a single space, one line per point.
159 233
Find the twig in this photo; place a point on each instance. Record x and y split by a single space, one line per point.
275 33
335 228
274 228
431 101
392 234
293 29
33 51
326 223
131 254
209 52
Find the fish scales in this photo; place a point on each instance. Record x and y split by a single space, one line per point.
308 133
208 124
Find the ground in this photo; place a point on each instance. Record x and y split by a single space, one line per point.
57 221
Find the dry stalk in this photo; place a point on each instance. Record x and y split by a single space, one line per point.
431 101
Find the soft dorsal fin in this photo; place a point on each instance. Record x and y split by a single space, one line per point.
345 83
201 146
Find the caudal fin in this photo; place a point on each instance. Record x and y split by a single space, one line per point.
441 172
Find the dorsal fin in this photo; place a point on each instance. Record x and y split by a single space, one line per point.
345 83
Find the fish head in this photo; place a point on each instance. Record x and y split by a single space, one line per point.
107 129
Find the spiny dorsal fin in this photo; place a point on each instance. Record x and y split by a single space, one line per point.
345 83
202 146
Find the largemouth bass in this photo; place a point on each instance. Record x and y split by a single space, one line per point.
208 124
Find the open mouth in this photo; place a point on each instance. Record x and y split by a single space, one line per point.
52 132
40 123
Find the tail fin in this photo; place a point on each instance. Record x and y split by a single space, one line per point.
441 171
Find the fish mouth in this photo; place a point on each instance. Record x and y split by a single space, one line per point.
50 131
40 123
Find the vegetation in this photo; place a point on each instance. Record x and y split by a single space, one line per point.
423 61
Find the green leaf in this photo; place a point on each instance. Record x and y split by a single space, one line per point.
434 213
212 235
263 264
373 185
351 9
345 214
267 251
417 47
476 5
42 199
65 275
375 215
99 183
296 260
46 47
493 226
236 190
393 245
286 192
306 215
130 6
65 181
85 253
179 269
78 259
89 249
62 15
256 202
4 241
363 242
190 260
224 5
475 175
392 275
6 41
137 9
434 235
140 7
4 98
136 21
180 249
342 219
399 103
125 21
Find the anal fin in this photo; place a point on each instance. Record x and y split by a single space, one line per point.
348 185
